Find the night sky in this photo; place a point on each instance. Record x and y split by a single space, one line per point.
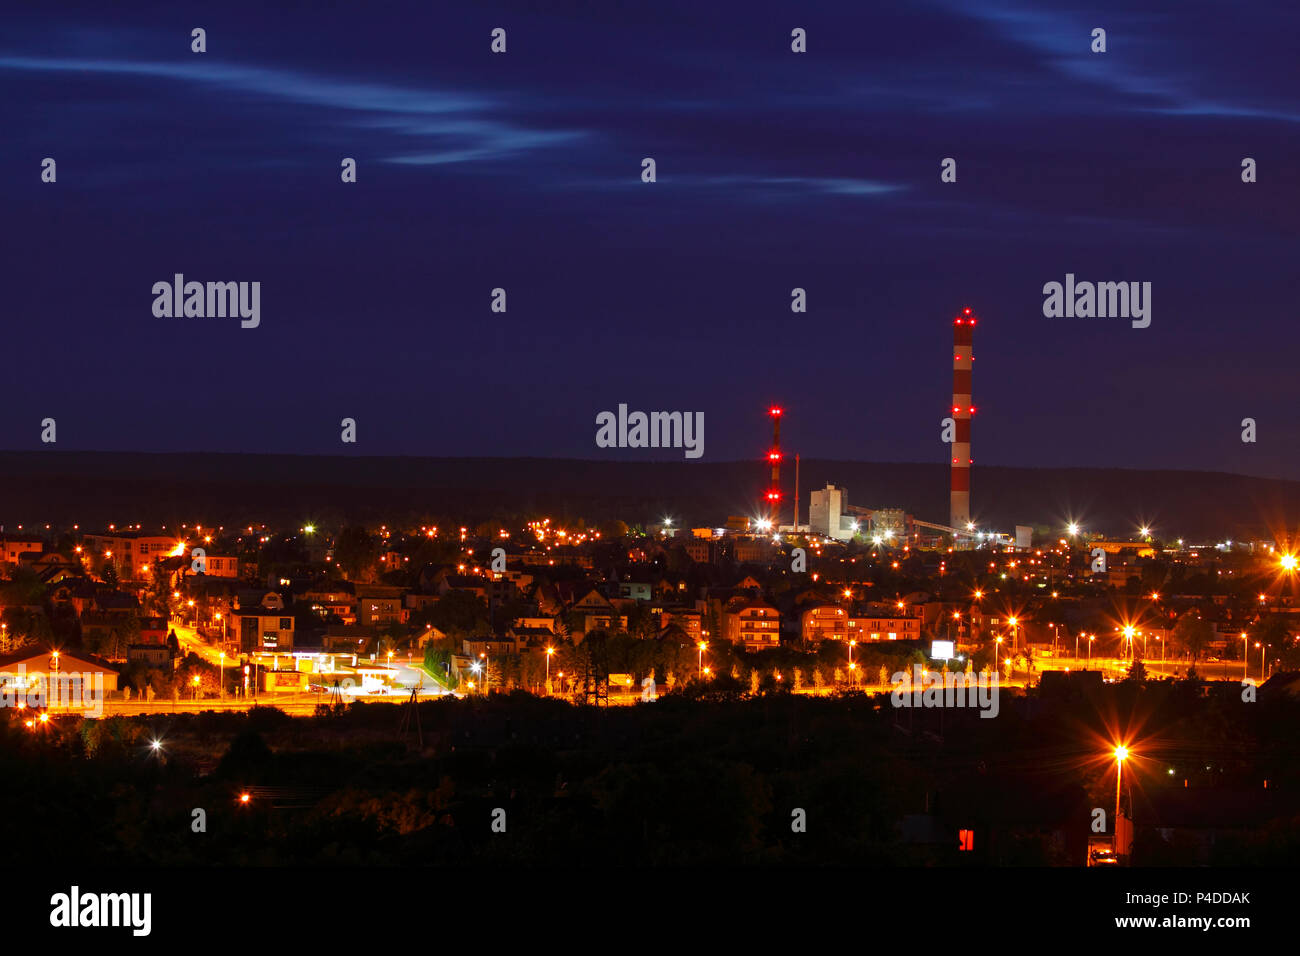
775 170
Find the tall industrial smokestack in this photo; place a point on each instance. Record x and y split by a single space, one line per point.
963 328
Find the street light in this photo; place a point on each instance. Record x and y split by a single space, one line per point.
223 675
1091 638
1245 652
703 646
549 652
1121 753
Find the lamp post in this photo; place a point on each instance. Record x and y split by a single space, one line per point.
700 664
223 674
1245 653
1091 638
1121 752
549 652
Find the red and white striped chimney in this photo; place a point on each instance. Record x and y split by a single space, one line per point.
963 327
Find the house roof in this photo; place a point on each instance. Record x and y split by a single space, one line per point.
67 659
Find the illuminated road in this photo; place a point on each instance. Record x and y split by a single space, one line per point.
1118 669
191 642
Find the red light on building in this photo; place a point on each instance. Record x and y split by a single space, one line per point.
966 840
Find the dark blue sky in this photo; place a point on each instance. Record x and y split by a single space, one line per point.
775 170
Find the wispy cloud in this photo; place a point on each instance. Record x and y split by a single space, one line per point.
459 122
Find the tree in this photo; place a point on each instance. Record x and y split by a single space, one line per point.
355 552
1192 632
1137 671
614 529
1274 632
640 623
460 613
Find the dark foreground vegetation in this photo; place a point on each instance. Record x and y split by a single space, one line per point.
709 778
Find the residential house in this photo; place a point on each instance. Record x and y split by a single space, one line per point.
754 623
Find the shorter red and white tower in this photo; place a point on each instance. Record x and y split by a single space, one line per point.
774 459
